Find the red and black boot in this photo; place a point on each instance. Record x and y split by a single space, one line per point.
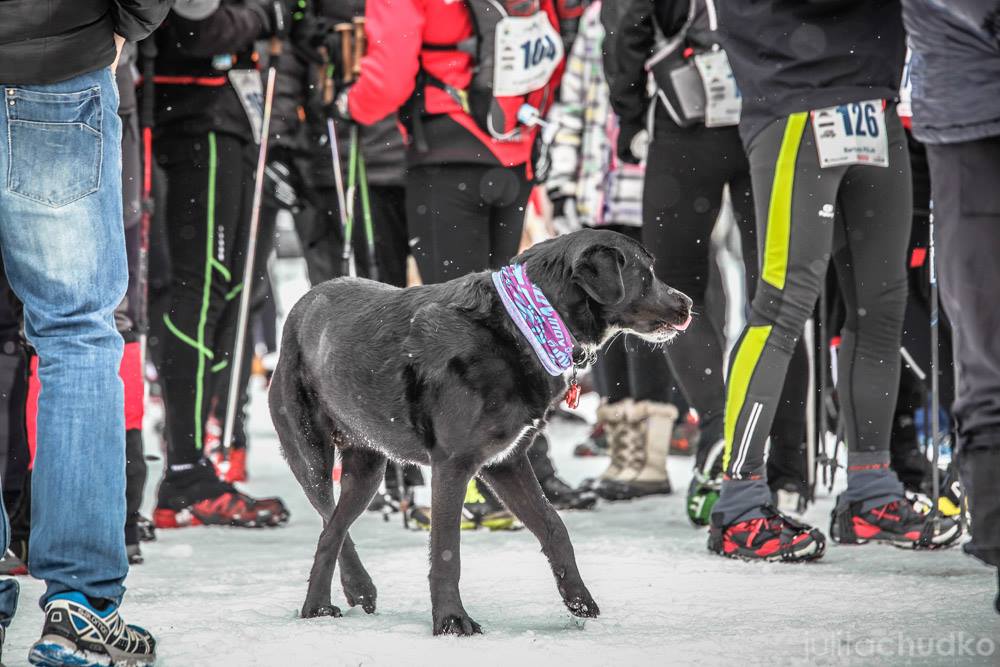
771 537
894 522
196 497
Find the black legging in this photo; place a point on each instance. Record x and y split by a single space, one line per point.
686 171
464 217
210 181
860 215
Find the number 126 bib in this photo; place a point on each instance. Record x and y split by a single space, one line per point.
851 134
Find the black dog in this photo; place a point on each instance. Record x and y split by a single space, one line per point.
440 375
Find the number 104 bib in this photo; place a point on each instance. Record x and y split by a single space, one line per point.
528 50
851 134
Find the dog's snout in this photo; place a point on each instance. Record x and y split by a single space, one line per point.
684 299
681 307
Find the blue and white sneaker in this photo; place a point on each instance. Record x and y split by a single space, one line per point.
76 634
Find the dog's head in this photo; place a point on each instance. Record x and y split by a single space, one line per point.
602 282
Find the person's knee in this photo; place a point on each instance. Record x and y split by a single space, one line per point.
877 321
784 311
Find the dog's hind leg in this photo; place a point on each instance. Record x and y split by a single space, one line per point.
515 482
306 436
448 484
362 471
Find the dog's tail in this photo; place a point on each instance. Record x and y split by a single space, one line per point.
305 431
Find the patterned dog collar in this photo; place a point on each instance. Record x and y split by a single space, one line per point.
535 317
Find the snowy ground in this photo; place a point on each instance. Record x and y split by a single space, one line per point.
219 596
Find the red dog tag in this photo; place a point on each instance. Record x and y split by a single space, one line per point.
573 394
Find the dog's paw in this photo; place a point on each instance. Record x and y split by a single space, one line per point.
457 624
363 594
582 605
324 610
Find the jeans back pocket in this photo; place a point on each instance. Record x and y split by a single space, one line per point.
55 144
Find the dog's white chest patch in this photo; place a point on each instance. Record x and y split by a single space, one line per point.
509 449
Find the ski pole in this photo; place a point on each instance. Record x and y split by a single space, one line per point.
366 212
346 227
809 337
935 367
348 265
823 363
345 201
360 44
356 168
236 368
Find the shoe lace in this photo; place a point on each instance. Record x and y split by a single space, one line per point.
883 512
756 525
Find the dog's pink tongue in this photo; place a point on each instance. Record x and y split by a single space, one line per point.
683 327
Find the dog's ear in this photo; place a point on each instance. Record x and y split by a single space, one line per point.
598 270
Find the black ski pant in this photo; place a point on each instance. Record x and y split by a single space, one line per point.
209 186
131 320
630 367
320 232
964 178
860 215
464 218
686 172
909 460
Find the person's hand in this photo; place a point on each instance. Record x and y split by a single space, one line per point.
565 218
341 106
313 39
632 143
119 45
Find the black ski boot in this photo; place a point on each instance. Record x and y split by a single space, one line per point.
895 522
564 497
772 537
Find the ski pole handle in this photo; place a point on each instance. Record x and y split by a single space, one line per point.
346 32
360 45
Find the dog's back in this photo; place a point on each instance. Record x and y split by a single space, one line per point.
346 347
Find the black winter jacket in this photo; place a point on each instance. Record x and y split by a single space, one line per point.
634 43
193 62
56 40
955 71
800 55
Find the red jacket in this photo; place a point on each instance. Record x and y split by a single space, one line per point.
397 29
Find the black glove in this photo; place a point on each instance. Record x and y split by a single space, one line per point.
341 110
541 158
280 17
279 188
314 40
565 218
627 132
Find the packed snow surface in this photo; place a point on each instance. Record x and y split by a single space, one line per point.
223 596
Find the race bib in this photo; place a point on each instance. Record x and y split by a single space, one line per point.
851 134
722 97
528 50
250 90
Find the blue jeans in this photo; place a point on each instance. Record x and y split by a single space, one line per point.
63 246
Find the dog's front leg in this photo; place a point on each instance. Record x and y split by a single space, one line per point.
449 480
515 482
